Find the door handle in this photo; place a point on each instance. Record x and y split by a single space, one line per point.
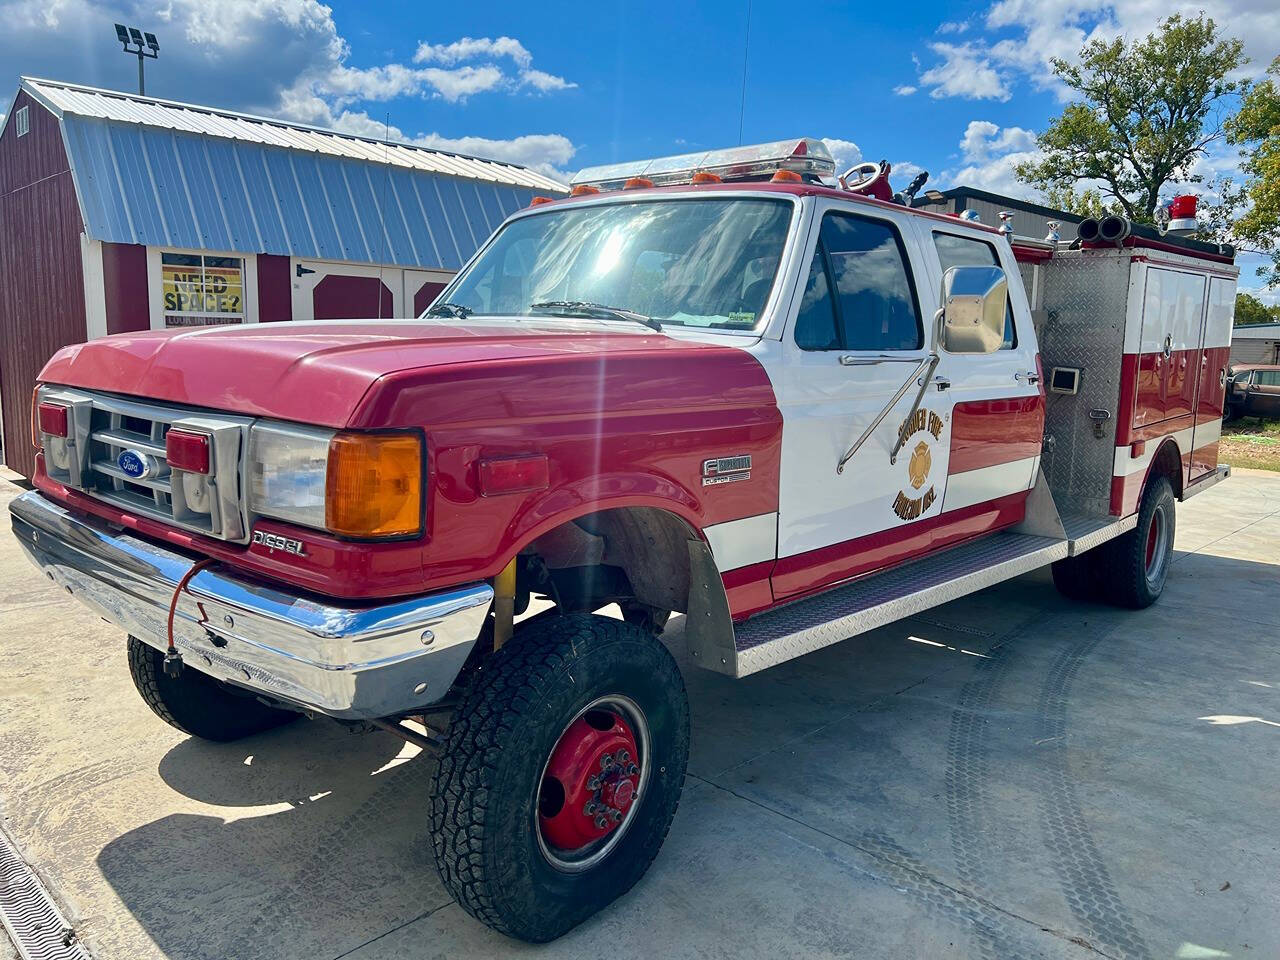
942 383
1168 346
1031 376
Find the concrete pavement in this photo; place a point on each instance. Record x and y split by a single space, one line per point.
1011 775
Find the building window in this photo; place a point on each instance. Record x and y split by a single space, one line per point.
23 120
201 290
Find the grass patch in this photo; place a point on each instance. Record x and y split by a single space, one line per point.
1251 442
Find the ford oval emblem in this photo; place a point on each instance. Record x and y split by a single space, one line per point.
136 464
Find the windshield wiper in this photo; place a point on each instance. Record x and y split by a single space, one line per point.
447 309
599 311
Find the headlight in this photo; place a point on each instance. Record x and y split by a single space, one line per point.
287 468
353 484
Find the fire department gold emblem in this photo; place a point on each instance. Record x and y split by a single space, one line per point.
918 495
918 468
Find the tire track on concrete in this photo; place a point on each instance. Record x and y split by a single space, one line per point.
969 810
1086 883
886 861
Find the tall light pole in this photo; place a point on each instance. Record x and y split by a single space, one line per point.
147 44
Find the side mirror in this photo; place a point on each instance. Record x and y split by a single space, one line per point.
973 309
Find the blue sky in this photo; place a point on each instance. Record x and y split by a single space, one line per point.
957 89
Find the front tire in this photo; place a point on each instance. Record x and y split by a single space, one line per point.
1137 563
562 771
196 703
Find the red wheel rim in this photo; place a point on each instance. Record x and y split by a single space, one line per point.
591 784
1153 539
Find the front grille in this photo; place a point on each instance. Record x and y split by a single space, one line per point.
104 427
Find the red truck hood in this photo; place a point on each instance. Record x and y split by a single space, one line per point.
319 372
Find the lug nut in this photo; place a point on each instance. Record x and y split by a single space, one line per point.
593 783
623 756
590 808
606 761
615 813
632 770
601 822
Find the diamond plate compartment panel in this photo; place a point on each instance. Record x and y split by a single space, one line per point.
836 615
30 916
1086 295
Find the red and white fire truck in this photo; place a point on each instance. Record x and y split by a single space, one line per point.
786 404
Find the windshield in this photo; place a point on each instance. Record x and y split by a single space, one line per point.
694 263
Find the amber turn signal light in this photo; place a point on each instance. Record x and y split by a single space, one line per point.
374 485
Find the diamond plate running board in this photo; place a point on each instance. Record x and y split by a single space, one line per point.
807 625
31 918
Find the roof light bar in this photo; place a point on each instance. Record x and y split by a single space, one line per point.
758 162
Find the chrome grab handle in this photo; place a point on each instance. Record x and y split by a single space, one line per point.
1031 376
930 362
865 360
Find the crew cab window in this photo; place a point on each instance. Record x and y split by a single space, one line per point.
956 251
859 294
1266 378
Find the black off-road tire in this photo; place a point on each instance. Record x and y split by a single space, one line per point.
1129 579
196 703
1077 578
485 789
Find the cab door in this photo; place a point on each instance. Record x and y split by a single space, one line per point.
856 338
997 426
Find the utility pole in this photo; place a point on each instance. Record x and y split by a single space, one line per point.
148 47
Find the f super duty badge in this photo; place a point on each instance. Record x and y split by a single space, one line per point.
274 541
726 469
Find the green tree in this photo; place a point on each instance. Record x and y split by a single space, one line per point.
1086 203
1257 128
1146 111
1250 310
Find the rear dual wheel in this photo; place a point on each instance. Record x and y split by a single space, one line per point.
561 774
1129 571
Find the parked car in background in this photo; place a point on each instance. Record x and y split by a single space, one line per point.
1253 390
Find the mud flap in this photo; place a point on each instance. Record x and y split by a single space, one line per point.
709 627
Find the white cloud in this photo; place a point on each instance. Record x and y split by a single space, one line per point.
953 26
1022 37
845 152
965 71
279 58
905 90
471 48
545 82
474 48
548 153
989 154
982 138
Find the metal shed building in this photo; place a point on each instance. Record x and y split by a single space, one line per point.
1256 343
124 213
1029 219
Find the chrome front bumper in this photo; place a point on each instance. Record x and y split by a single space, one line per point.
350 662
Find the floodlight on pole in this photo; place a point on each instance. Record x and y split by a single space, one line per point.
147 47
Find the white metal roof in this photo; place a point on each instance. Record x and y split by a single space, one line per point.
1256 331
68 98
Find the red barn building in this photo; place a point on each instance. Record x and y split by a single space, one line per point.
123 213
